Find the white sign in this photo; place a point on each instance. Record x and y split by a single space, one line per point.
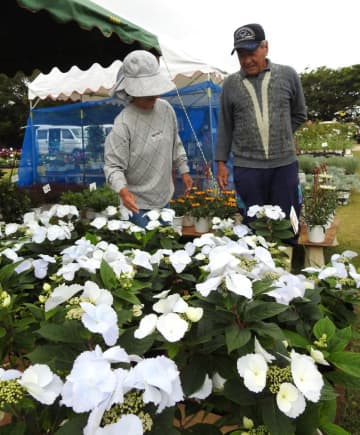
46 188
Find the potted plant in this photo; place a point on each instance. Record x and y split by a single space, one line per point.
319 205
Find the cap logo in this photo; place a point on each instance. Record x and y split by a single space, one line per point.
245 34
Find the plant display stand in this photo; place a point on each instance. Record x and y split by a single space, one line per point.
314 252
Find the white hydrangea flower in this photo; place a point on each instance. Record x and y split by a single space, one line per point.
61 294
260 350
290 400
96 295
306 376
99 222
128 424
90 382
169 304
179 260
41 383
142 258
11 228
159 377
172 327
253 368
101 319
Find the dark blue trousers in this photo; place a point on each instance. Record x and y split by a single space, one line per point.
273 186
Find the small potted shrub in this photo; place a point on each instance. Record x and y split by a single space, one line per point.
319 205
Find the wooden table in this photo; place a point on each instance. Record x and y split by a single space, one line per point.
190 232
314 252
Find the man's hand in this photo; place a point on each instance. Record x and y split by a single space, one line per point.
128 200
187 180
222 175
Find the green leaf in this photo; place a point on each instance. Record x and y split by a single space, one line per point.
108 276
236 337
127 296
235 391
349 362
14 429
296 340
36 311
324 327
276 422
193 375
67 332
333 429
163 423
2 332
308 421
203 429
132 345
259 310
268 330
340 340
56 356
341 378
74 426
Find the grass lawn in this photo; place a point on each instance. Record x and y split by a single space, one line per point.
349 238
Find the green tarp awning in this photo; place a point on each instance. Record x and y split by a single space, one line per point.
41 34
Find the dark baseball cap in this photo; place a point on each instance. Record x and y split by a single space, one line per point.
248 37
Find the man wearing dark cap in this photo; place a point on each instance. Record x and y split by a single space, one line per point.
261 106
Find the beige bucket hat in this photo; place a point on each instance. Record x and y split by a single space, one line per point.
140 76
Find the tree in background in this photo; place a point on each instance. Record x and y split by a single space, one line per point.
14 110
328 91
95 141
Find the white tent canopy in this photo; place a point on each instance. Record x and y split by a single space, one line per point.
96 82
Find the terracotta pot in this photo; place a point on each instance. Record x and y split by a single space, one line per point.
316 234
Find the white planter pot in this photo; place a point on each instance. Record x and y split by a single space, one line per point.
178 221
188 221
316 234
202 225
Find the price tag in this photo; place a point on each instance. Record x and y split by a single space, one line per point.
46 188
294 220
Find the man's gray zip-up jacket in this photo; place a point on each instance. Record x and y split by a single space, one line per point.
258 116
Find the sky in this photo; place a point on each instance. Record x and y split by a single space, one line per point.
305 34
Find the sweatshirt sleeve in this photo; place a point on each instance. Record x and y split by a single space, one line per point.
298 105
225 125
116 157
180 160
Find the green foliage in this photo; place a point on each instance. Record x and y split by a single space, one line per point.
316 322
329 91
97 199
325 137
14 202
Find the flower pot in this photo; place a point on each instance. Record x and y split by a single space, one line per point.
188 221
202 225
178 221
316 234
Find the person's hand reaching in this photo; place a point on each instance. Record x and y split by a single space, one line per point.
188 182
128 200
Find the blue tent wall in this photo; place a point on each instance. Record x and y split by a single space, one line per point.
201 104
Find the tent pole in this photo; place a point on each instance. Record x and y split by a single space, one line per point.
33 144
82 142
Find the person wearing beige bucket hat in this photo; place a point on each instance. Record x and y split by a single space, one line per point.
144 146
